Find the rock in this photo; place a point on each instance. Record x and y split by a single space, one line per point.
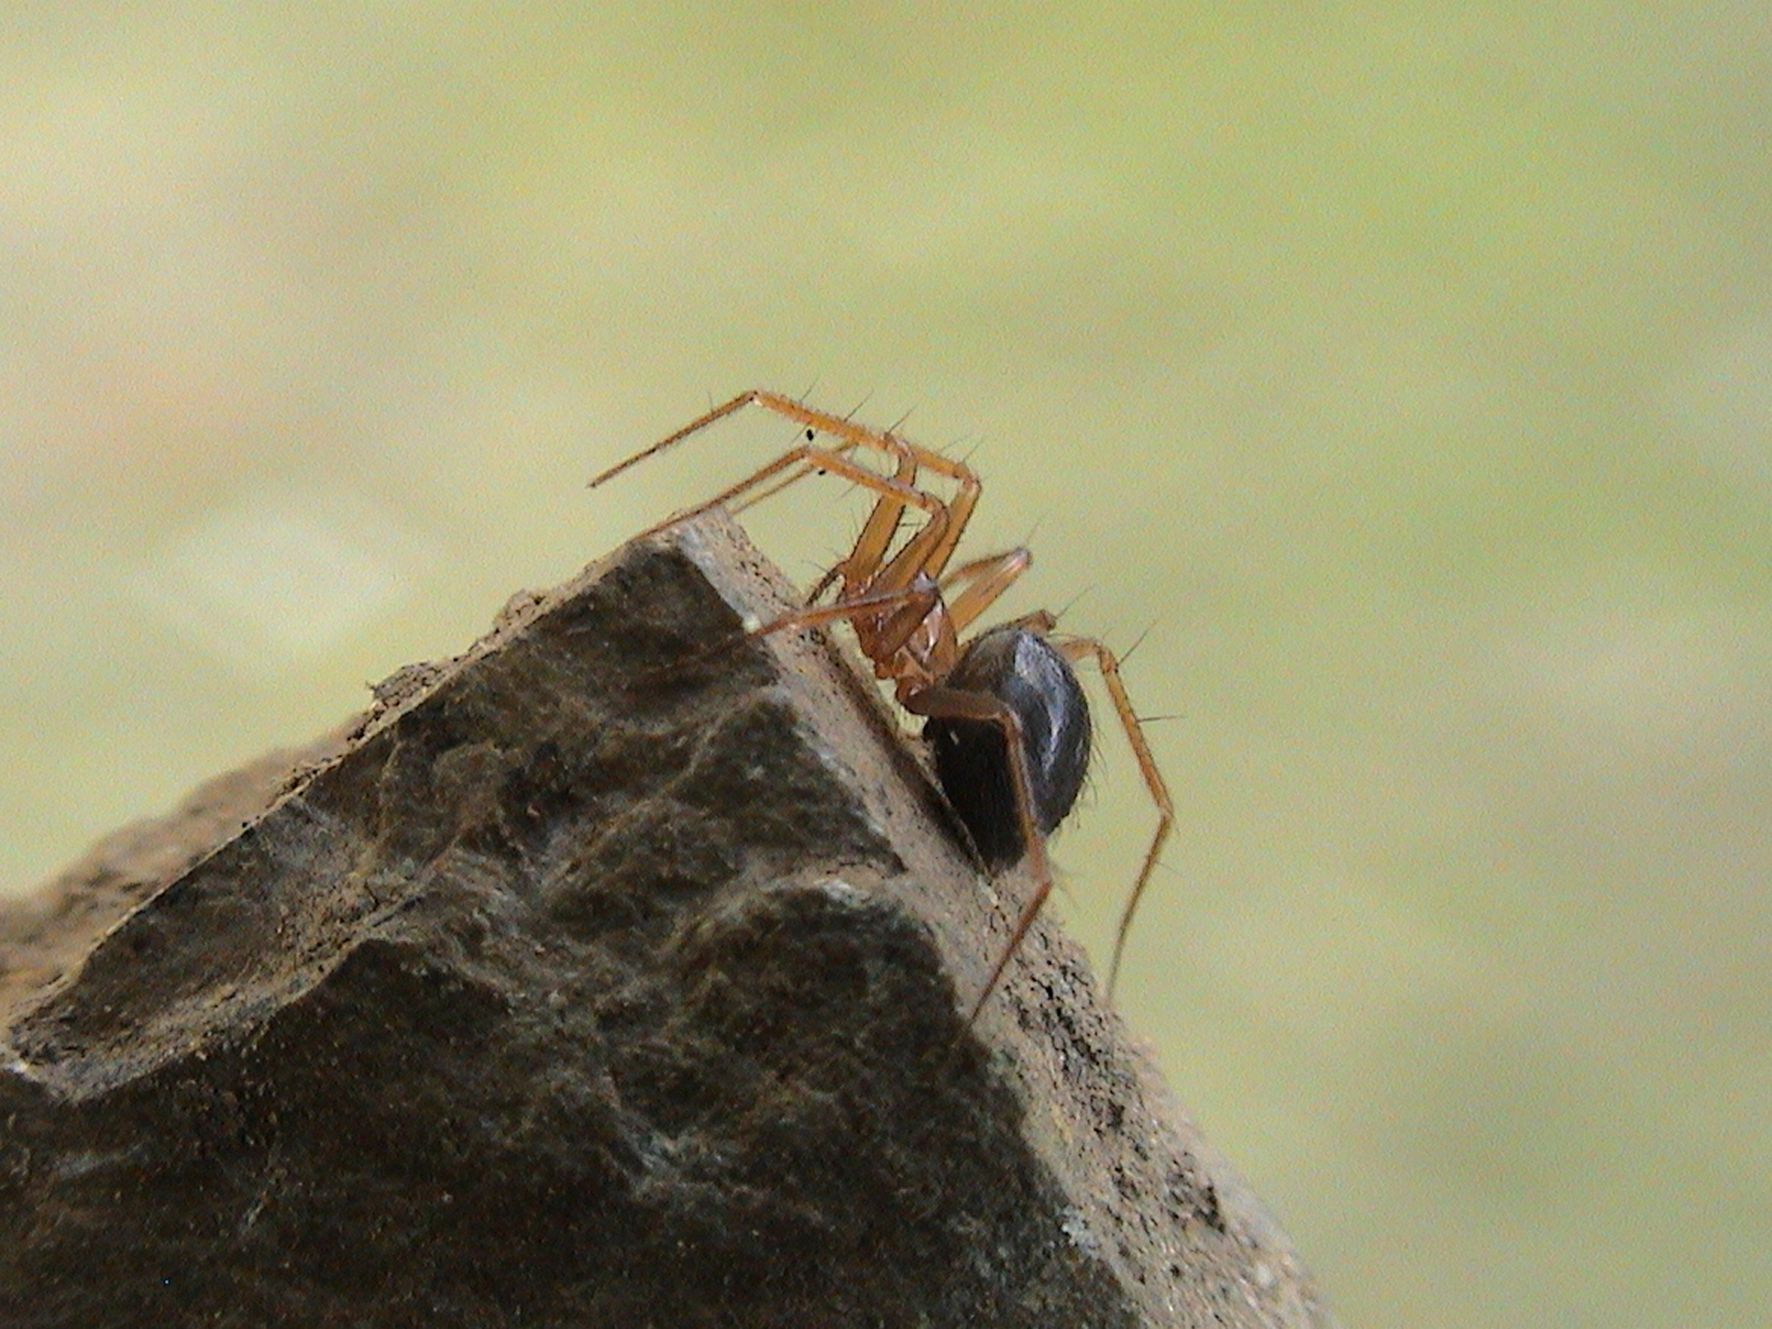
613 973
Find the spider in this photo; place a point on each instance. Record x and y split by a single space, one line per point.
1004 714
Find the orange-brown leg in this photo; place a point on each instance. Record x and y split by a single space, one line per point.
862 566
695 426
964 499
863 562
960 506
958 704
902 608
926 552
1078 648
920 556
984 579
823 460
842 445
855 435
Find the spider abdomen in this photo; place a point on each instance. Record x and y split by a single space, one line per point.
1024 670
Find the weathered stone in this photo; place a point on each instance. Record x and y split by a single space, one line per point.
611 974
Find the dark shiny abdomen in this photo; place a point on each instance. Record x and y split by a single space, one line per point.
1026 671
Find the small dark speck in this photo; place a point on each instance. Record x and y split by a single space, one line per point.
1209 1209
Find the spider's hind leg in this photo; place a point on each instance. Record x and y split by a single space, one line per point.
1079 648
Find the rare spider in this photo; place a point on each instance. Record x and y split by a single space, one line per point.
1004 714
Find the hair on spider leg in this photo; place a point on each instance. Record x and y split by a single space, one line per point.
1006 718
898 424
1064 610
861 402
1137 641
848 416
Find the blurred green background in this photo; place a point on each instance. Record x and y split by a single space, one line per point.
1408 367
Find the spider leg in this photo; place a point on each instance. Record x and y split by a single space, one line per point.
984 580
925 552
882 524
805 416
801 474
823 583
904 609
920 556
695 426
1077 648
862 562
870 546
973 568
965 497
959 704
966 492
907 605
830 463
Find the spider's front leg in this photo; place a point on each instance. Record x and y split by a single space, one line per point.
827 462
865 566
981 707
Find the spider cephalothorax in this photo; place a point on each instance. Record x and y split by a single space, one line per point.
1005 716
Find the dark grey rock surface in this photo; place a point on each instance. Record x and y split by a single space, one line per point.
613 974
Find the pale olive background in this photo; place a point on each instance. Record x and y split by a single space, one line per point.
1409 368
